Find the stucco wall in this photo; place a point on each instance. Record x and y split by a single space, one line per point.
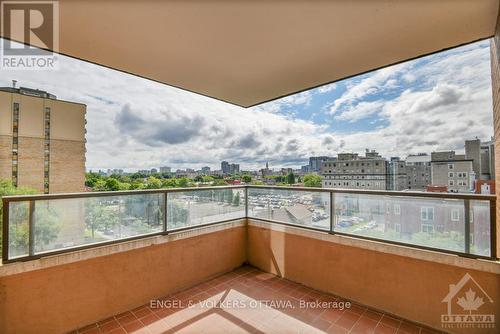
61 298
407 287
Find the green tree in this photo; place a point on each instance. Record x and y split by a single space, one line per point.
290 178
198 178
153 183
312 180
246 178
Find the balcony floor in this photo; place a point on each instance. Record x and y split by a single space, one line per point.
250 301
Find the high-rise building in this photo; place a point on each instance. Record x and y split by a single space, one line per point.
224 166
42 141
205 170
165 169
353 172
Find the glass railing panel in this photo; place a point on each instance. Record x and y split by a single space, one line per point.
429 222
66 223
18 229
199 207
480 228
296 207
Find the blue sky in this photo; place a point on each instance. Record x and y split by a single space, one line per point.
432 103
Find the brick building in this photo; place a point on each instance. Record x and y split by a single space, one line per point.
42 141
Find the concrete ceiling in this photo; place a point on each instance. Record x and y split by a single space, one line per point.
249 52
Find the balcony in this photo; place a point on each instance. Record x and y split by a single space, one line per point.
72 260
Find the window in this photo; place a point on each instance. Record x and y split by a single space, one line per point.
397 228
397 209
427 228
451 183
450 166
451 174
426 213
462 175
455 215
15 132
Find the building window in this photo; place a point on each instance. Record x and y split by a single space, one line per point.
397 228
15 142
450 174
450 166
427 228
397 209
426 213
455 215
451 183
46 154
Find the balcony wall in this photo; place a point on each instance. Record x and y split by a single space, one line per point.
406 282
56 298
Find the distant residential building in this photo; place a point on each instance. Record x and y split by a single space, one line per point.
205 170
418 171
165 170
397 178
305 169
452 170
228 168
224 166
154 170
353 172
487 160
234 168
315 163
42 141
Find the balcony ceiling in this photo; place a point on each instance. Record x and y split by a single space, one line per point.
249 52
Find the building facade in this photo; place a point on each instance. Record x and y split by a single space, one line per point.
354 172
315 163
42 141
397 178
453 171
418 171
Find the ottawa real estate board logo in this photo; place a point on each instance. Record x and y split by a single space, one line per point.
30 35
468 306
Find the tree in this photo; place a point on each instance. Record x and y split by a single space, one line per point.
153 183
47 227
198 178
312 180
290 178
246 178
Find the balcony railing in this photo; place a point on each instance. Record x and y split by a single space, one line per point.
41 225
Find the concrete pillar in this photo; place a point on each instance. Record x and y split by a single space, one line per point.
495 80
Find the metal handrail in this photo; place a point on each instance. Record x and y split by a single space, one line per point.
450 196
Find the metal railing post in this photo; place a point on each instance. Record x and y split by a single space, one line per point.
5 230
467 226
332 212
246 202
31 229
165 212
493 229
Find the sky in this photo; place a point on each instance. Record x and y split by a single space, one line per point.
429 104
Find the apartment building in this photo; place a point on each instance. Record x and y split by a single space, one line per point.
228 168
315 163
397 178
351 171
453 171
418 171
42 141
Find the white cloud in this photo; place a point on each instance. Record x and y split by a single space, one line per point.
137 123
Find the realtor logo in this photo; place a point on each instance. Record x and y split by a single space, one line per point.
467 305
30 31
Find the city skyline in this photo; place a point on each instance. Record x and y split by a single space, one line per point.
134 123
